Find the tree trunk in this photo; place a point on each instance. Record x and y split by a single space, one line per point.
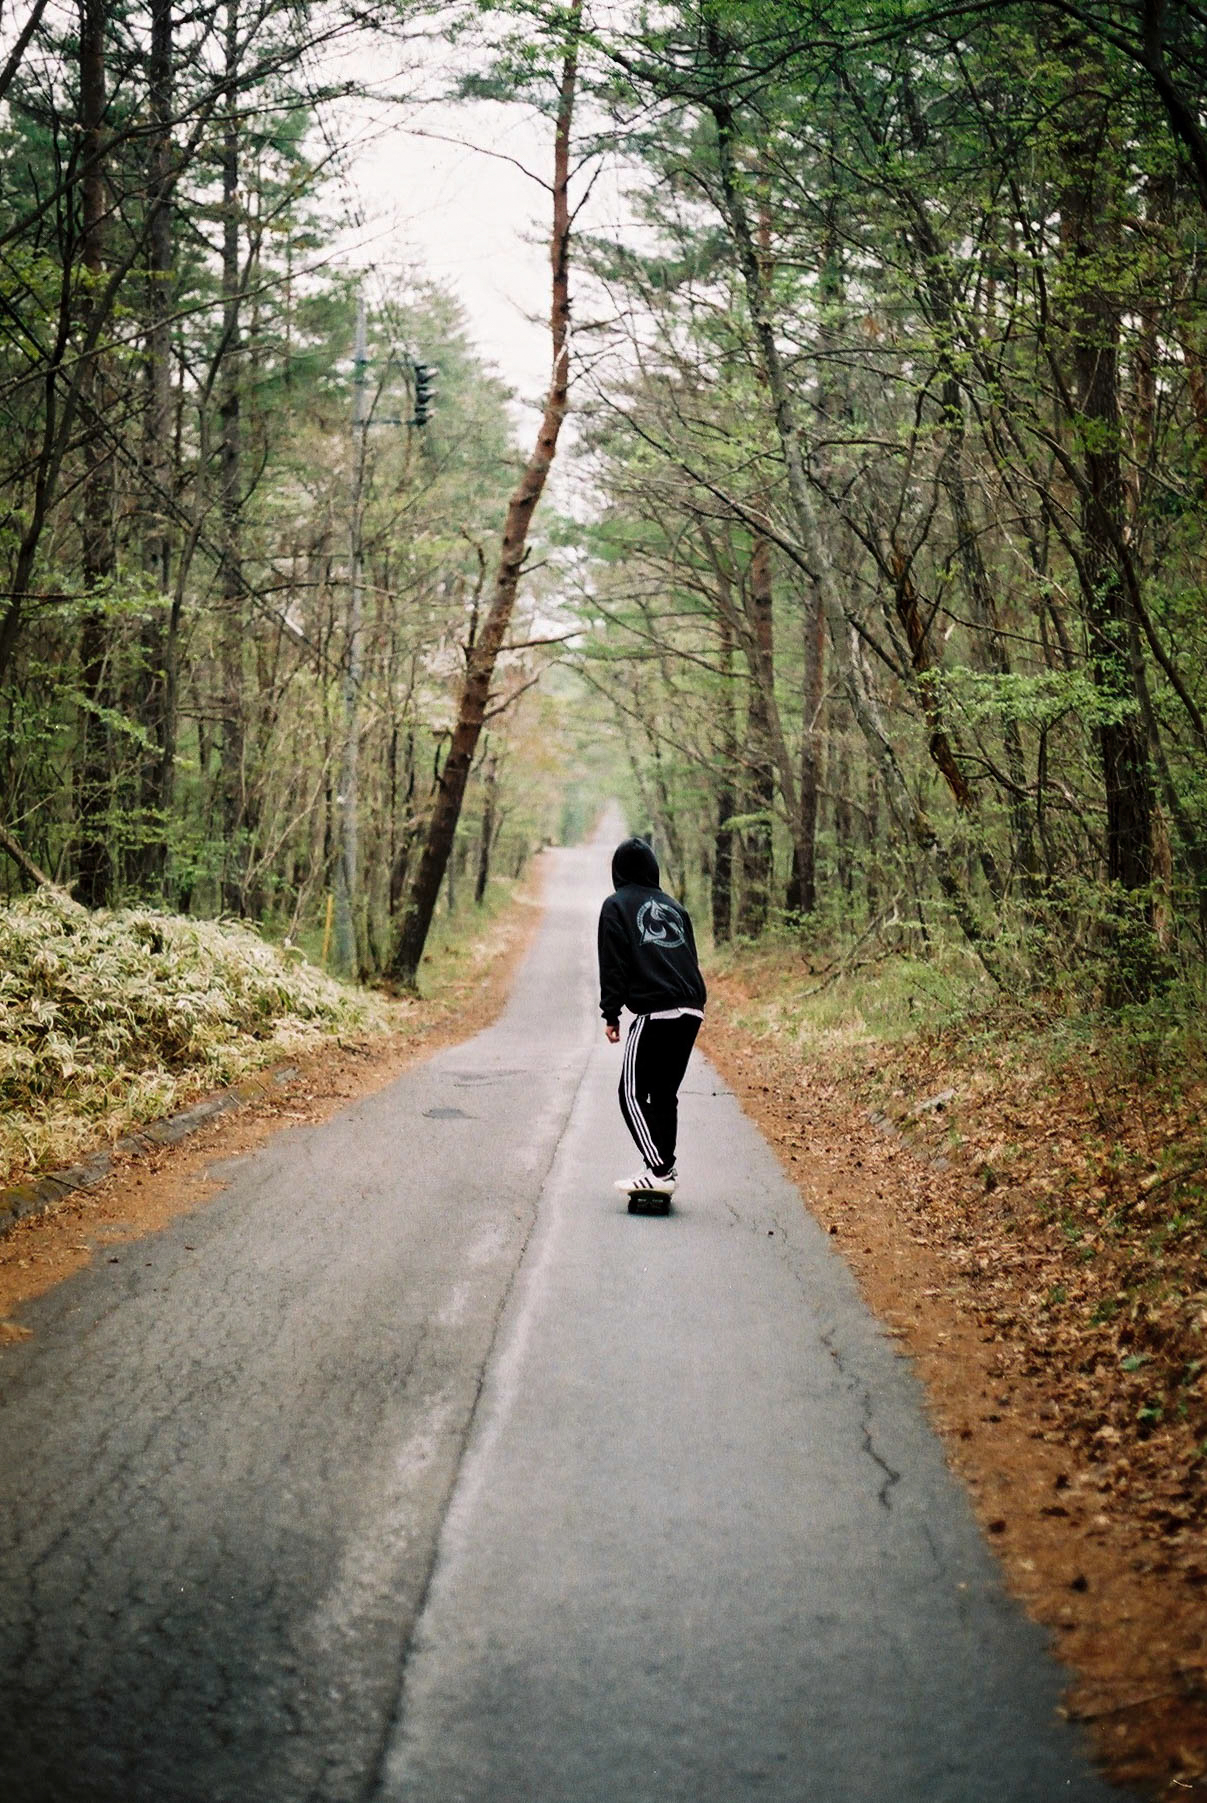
844 819
991 643
402 837
96 513
1184 115
232 772
748 624
722 856
482 656
802 893
759 773
486 838
872 867
162 634
21 858
758 845
349 934
66 371
1089 233
802 890
941 743
938 298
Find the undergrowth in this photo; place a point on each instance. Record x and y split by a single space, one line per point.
822 1002
110 1018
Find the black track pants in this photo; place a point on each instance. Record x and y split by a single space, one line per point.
655 1057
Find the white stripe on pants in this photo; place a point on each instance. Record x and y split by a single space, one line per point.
656 1055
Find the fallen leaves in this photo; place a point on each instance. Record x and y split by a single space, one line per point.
1037 1243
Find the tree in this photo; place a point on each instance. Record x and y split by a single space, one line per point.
966 417
484 647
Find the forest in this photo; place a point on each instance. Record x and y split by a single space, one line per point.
854 544
884 612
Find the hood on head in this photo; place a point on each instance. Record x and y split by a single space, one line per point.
634 862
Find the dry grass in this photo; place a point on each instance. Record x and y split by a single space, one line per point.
114 1017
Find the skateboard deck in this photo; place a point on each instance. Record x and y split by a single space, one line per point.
649 1202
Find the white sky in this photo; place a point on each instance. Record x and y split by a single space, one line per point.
440 187
466 218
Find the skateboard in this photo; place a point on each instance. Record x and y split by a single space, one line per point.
649 1202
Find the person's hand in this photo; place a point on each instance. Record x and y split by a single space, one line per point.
611 1033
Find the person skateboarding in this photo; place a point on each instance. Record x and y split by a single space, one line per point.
647 964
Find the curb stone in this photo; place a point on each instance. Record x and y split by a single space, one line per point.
39 1195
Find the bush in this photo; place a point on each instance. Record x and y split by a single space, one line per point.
119 1013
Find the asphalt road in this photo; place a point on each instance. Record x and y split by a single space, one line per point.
413 1467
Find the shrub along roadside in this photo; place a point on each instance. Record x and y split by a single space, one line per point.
110 1019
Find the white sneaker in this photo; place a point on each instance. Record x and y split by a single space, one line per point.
647 1184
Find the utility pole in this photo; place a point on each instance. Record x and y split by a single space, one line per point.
347 875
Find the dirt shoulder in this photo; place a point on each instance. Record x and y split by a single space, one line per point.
146 1191
1062 1380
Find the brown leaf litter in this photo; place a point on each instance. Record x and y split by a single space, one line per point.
1059 1327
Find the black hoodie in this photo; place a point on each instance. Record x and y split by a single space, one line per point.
647 950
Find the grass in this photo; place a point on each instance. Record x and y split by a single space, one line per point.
823 1006
1140 1068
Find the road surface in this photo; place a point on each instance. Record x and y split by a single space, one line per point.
413 1468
